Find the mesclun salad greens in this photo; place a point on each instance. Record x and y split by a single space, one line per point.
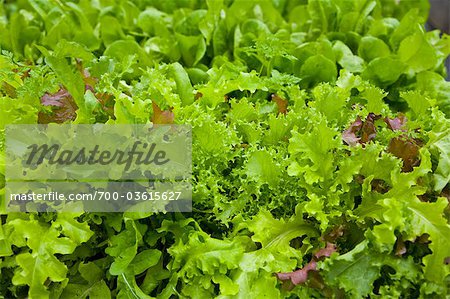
321 147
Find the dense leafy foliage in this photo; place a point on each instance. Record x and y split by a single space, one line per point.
321 147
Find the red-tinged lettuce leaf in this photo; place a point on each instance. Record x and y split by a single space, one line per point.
98 106
361 131
406 149
396 124
88 80
379 186
161 117
299 276
281 103
368 130
63 107
349 136
107 103
334 234
55 99
327 251
400 247
105 99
